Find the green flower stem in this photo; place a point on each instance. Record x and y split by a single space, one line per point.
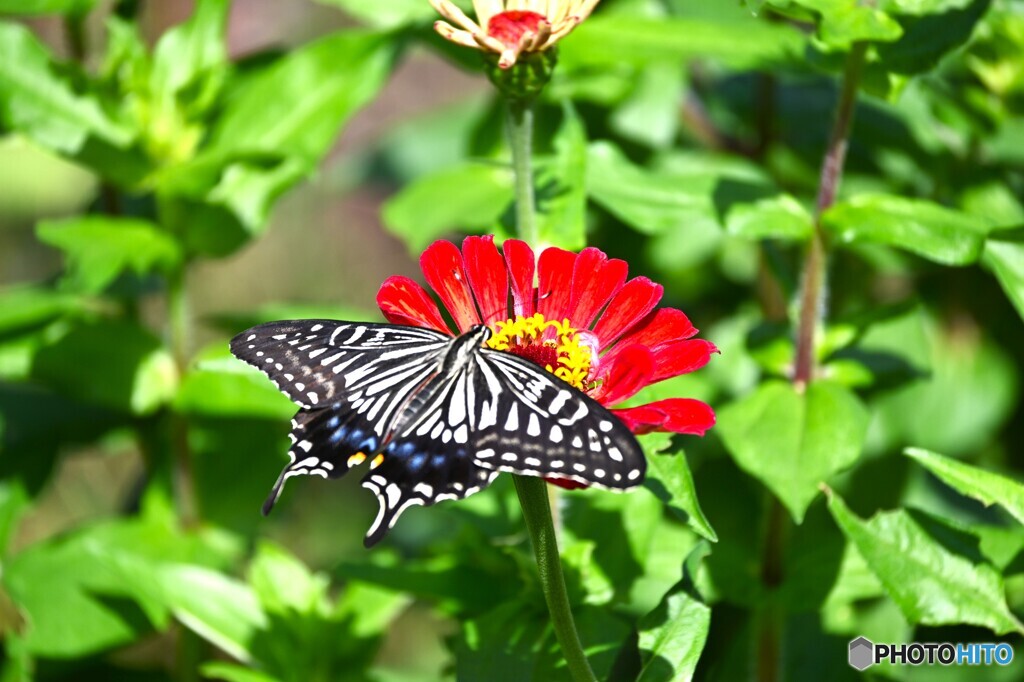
180 329
533 497
520 134
533 493
812 298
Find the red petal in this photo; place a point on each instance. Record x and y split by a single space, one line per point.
520 261
403 301
445 273
629 371
637 298
678 415
487 277
681 357
661 326
566 483
595 279
554 275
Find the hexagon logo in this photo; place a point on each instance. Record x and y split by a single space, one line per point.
862 653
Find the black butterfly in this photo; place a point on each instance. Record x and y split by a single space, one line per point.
438 417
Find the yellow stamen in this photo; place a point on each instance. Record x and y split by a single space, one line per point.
531 336
356 460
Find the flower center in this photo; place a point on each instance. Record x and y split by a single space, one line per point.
555 346
509 27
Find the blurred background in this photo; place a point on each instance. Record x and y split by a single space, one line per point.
703 145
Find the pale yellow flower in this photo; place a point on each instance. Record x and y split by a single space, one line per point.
510 28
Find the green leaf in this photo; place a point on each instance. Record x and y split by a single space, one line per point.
669 478
515 642
651 115
301 102
1006 261
35 425
26 307
970 393
67 617
987 487
470 196
562 187
922 7
931 231
220 385
672 636
273 131
926 40
468 584
77 7
97 587
792 441
114 364
931 585
844 22
282 583
775 217
232 672
601 41
678 193
38 101
189 53
368 610
99 248
219 609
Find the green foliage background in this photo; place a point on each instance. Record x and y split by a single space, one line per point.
684 136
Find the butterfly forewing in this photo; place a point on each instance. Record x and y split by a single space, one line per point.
536 424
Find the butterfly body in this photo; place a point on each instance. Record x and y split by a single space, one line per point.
437 417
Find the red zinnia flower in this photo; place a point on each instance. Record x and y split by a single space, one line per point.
583 321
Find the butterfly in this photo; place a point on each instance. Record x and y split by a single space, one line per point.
438 417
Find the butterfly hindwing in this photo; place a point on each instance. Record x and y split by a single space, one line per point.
429 457
327 443
535 424
350 379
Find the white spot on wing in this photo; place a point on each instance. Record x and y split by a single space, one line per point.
512 423
533 425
